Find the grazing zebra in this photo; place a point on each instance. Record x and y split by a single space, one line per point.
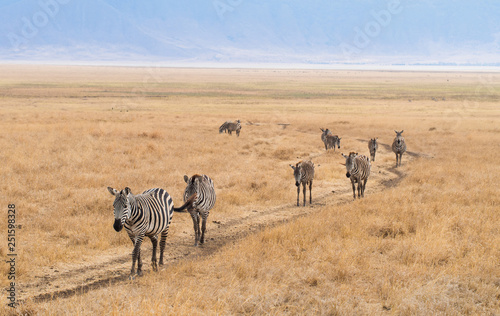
203 187
147 214
373 147
325 133
399 147
303 172
358 170
223 127
230 126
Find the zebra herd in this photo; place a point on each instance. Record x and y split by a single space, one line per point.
357 166
149 214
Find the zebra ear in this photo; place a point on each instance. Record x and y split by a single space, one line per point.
293 167
112 191
343 155
127 191
186 178
402 131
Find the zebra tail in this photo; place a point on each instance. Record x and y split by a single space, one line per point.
188 202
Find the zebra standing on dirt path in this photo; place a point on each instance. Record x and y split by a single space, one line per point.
358 170
373 147
203 187
230 126
303 172
147 214
399 147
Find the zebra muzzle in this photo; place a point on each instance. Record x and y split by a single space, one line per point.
348 175
118 225
297 183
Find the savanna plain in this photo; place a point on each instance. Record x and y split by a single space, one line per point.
425 239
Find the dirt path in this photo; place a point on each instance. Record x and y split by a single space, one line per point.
113 267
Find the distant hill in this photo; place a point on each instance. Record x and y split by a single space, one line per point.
259 31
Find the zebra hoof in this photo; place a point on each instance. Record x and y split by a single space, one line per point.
131 277
139 273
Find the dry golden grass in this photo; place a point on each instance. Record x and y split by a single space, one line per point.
429 245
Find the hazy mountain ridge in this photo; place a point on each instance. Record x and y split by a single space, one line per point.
368 31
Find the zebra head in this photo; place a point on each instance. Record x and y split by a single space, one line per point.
338 142
349 163
399 137
121 207
193 185
297 172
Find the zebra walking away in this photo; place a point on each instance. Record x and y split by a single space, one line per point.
147 214
203 187
358 170
303 172
325 133
399 147
373 147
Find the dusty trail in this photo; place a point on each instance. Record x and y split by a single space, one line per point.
114 266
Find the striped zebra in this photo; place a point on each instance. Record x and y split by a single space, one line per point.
303 172
230 126
329 139
203 187
358 170
373 147
332 141
147 214
399 147
325 133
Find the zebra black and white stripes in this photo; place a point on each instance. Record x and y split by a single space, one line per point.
399 147
230 126
330 140
203 187
358 170
373 147
147 214
303 173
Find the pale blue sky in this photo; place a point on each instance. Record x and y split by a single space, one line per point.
346 31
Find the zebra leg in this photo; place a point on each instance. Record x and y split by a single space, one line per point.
136 256
353 188
304 186
163 240
298 194
203 227
363 188
310 192
196 226
154 241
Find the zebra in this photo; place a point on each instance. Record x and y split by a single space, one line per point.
358 170
203 187
303 172
373 147
230 126
332 141
329 139
399 147
147 214
325 133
